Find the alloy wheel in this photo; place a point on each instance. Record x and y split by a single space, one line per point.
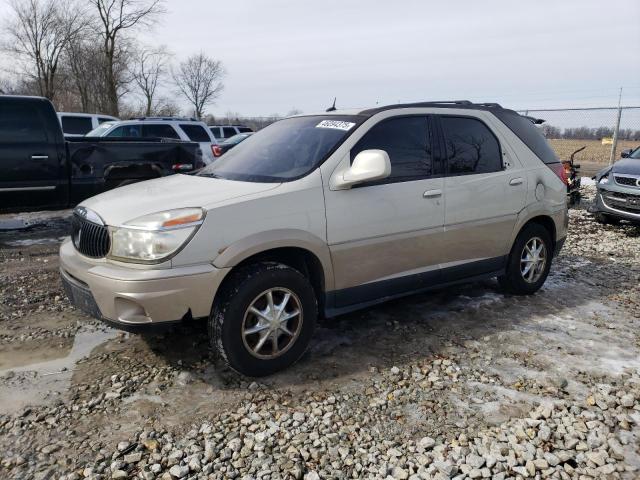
272 323
533 260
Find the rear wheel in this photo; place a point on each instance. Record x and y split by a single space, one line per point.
605 219
529 261
263 319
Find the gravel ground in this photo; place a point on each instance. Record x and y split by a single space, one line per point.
462 383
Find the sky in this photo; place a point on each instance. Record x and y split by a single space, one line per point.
286 54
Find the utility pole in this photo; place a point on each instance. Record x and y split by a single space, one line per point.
614 144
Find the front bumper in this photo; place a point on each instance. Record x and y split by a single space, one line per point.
135 296
620 202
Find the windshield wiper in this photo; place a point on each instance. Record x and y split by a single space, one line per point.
210 175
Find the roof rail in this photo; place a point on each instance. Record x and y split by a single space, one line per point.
440 103
190 119
490 104
455 102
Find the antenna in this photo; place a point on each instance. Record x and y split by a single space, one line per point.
332 108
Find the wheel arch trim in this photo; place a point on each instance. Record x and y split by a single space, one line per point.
264 242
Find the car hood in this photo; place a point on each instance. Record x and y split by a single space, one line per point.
627 166
176 191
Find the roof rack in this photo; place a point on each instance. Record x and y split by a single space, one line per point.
440 103
461 102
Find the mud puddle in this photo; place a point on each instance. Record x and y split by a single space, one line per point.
34 228
44 378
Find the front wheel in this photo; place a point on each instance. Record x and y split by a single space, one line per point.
263 319
529 261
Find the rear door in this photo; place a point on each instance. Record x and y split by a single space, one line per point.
483 198
31 156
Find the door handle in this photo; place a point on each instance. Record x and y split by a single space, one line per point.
39 157
432 193
516 181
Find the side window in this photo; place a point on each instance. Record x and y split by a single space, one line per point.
76 125
215 131
126 131
195 133
228 132
245 130
21 123
471 147
159 131
407 140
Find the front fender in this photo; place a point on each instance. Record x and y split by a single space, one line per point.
261 242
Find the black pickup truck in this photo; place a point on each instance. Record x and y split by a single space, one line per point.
39 169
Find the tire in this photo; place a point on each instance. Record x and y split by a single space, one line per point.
230 317
515 280
605 219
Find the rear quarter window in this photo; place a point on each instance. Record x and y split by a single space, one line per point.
228 132
196 133
76 125
530 135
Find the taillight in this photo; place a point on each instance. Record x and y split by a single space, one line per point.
216 150
182 166
558 169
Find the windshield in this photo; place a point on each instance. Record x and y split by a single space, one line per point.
285 150
100 131
635 154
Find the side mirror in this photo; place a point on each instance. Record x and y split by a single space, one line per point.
625 153
369 165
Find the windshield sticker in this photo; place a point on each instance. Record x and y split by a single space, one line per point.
337 124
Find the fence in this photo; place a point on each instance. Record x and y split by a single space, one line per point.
569 129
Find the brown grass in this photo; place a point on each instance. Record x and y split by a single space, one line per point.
595 151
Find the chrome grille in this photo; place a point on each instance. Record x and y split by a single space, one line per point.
627 181
622 201
90 239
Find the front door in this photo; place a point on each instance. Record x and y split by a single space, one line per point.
384 235
31 172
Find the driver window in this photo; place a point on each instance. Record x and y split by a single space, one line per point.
407 141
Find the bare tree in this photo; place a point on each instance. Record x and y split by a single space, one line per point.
116 17
147 73
199 79
83 60
38 33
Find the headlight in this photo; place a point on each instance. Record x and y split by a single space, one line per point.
153 238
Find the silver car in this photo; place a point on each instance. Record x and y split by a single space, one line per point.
318 215
618 187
